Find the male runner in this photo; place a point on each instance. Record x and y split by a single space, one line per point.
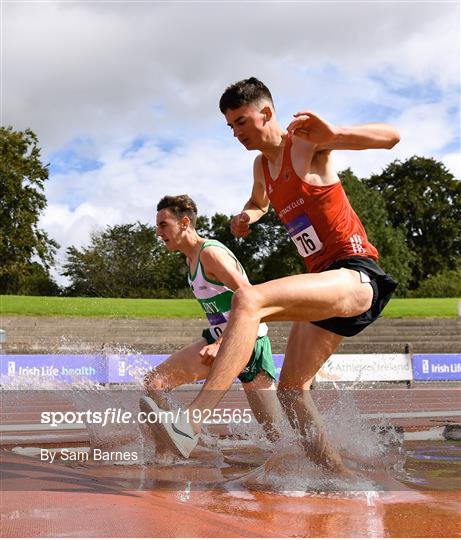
344 290
213 274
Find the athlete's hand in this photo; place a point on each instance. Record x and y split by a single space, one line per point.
208 353
240 225
311 127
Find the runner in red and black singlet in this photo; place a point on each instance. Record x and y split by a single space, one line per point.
344 290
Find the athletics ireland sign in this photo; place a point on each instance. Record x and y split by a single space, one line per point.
365 367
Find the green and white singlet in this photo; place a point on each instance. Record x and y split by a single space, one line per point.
214 297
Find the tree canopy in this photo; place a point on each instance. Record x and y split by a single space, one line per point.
125 261
424 200
26 251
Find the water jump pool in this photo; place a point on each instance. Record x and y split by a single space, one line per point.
236 483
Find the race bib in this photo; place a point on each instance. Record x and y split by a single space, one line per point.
303 234
216 331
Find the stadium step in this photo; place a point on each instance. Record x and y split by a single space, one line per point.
55 335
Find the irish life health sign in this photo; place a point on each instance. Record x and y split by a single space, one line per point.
436 367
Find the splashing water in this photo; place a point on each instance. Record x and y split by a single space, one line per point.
184 496
373 451
374 447
367 447
371 496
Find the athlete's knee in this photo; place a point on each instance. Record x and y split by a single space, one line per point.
358 298
365 297
246 300
262 381
153 381
293 394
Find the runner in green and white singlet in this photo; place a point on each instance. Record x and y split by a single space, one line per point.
214 273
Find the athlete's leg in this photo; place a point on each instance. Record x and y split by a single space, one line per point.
307 297
307 350
262 398
182 367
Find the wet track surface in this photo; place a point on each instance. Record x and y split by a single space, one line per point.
201 500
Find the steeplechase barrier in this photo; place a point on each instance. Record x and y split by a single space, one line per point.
126 368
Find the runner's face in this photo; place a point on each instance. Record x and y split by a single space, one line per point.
247 124
169 229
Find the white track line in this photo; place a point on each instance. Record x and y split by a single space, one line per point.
7 428
416 414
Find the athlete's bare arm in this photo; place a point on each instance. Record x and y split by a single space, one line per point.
257 205
220 266
326 136
314 138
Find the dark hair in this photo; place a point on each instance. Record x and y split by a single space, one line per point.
244 92
180 206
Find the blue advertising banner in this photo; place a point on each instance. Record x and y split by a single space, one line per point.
59 367
278 361
71 367
128 368
436 367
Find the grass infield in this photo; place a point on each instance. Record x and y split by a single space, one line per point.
184 309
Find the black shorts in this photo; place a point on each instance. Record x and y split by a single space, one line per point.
383 287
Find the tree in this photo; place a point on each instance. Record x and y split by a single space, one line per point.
37 282
125 261
25 250
390 241
445 284
424 199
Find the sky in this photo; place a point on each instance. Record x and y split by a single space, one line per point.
123 96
